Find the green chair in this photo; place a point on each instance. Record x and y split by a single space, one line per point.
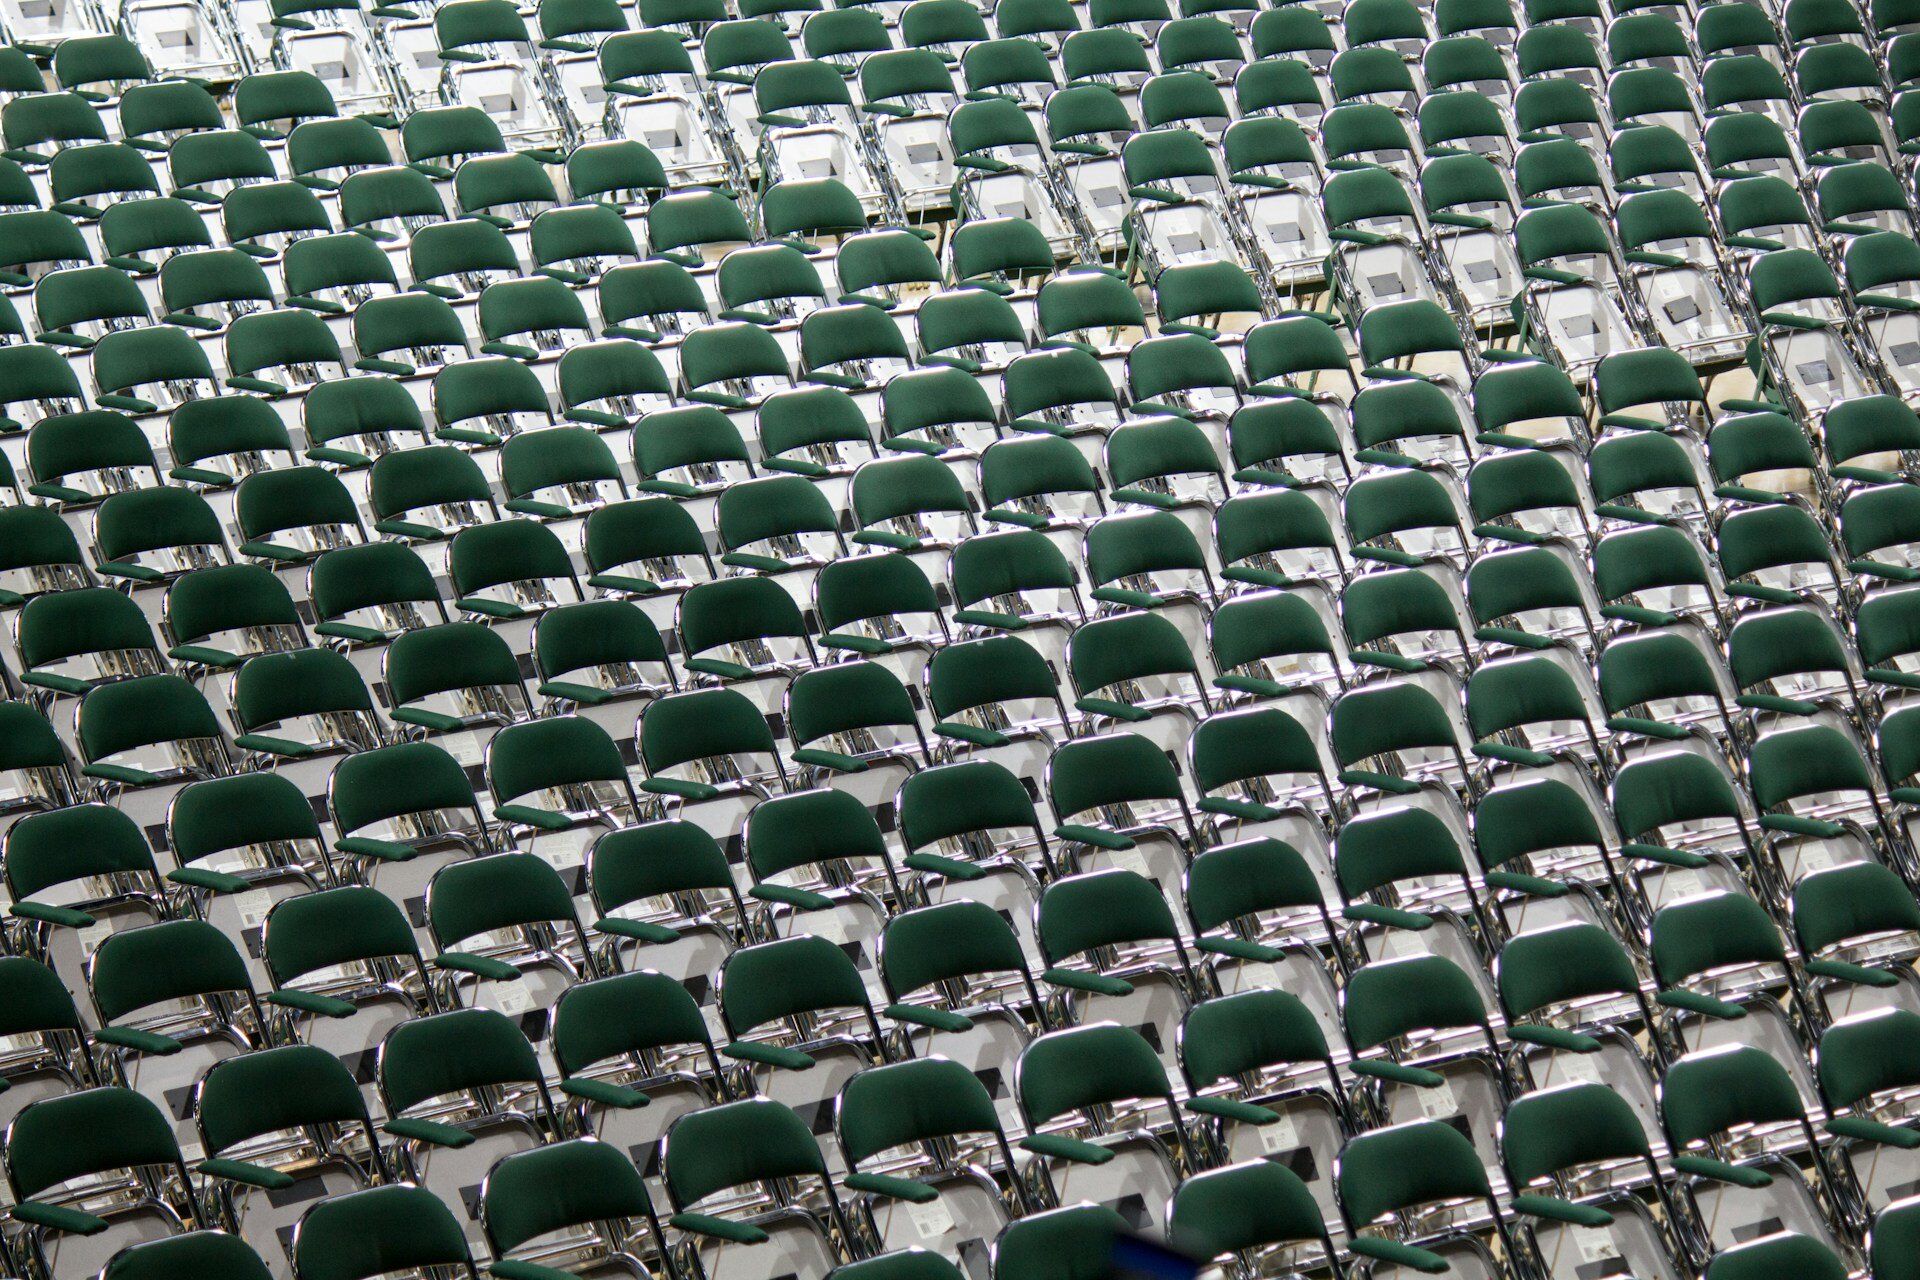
1109 658
693 733
868 605
78 459
1400 726
1146 561
672 863
1861 1059
69 641
518 1203
817 851
906 1264
36 757
1109 922
444 678
485 1083
741 618
605 646
506 918
1252 750
965 957
1037 482
1074 1243
427 494
689 452
478 403
346 948
1510 702
1551 1138
1677 790
260 824
644 547
1711 1091
1130 782
406 334
184 975
1245 1209
951 816
93 1140
772 997
213 1254
395 803
1508 589
744 1144
928 1107
1063 1078
369 1233
510 569
1402 1166
851 718
146 732
1695 939
301 705
621 377
1000 571
558 773
1277 540
1269 1049
1787 1251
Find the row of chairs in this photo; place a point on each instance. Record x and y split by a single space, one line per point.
913 634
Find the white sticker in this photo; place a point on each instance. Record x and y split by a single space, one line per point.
825 924
464 747
1816 857
93 935
566 849
1594 1243
932 1219
1437 1101
511 998
1131 860
1279 1136
253 907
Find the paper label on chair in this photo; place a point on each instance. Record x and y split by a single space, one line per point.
253 907
93 935
1816 857
932 1220
1280 1136
1131 860
564 850
1437 1101
1594 1243
511 998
